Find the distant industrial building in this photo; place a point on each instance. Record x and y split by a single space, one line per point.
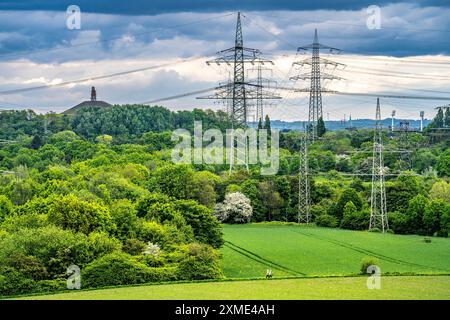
93 103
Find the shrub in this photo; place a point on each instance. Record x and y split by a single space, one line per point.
346 196
161 274
74 214
366 262
50 285
434 217
152 261
146 202
53 247
28 266
113 269
121 269
29 221
201 261
374 230
134 247
6 207
427 240
398 222
326 220
206 227
353 219
96 245
318 210
13 282
153 232
124 217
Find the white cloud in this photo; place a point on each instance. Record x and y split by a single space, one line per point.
113 43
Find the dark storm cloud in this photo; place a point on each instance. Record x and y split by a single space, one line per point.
407 29
146 7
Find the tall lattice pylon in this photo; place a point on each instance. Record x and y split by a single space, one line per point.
239 91
404 145
316 76
304 196
262 81
378 212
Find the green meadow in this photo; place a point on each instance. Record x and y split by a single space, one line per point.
401 287
293 250
307 263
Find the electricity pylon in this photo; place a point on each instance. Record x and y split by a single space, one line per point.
263 80
239 91
304 201
316 76
404 145
378 214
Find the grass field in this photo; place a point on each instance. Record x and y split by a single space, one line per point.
425 287
302 252
292 250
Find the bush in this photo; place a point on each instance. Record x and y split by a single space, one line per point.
6 207
161 274
355 220
29 221
151 260
150 231
53 247
374 230
28 266
13 282
122 269
134 247
50 285
113 269
124 217
206 227
427 240
200 262
366 262
74 214
348 195
146 202
398 222
318 210
326 220
96 245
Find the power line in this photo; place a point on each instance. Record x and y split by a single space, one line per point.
384 27
115 38
117 74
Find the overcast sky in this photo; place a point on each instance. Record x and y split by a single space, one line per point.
409 55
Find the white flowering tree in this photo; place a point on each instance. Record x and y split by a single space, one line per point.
236 208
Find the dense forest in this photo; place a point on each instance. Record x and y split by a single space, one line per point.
99 190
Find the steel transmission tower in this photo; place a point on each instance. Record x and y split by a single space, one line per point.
263 80
304 201
404 144
316 76
238 90
378 216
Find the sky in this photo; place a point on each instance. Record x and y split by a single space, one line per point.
408 55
